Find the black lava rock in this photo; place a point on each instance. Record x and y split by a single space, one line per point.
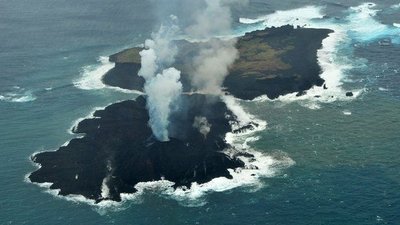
119 150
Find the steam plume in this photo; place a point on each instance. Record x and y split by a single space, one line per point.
201 123
211 65
163 88
162 91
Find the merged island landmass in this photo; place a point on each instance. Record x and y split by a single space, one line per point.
118 151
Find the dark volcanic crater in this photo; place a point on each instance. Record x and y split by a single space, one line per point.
119 151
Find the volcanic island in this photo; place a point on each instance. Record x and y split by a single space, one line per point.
117 149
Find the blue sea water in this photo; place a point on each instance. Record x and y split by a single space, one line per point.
346 152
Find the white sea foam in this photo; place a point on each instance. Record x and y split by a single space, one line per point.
75 123
127 91
18 95
347 112
383 89
101 207
92 75
262 166
396 6
296 17
363 26
396 25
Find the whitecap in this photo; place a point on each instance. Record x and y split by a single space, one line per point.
296 17
91 76
363 26
76 122
18 96
346 112
126 91
396 6
383 89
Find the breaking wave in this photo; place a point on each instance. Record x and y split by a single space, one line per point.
296 17
92 77
18 95
396 6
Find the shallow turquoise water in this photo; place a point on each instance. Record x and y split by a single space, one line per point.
347 167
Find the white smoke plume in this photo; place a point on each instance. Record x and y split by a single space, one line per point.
163 88
214 19
201 123
211 65
162 92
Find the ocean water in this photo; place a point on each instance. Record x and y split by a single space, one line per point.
341 155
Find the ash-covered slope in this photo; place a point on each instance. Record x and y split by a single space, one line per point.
118 150
274 61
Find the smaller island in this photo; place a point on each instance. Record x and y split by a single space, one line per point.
118 150
272 62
